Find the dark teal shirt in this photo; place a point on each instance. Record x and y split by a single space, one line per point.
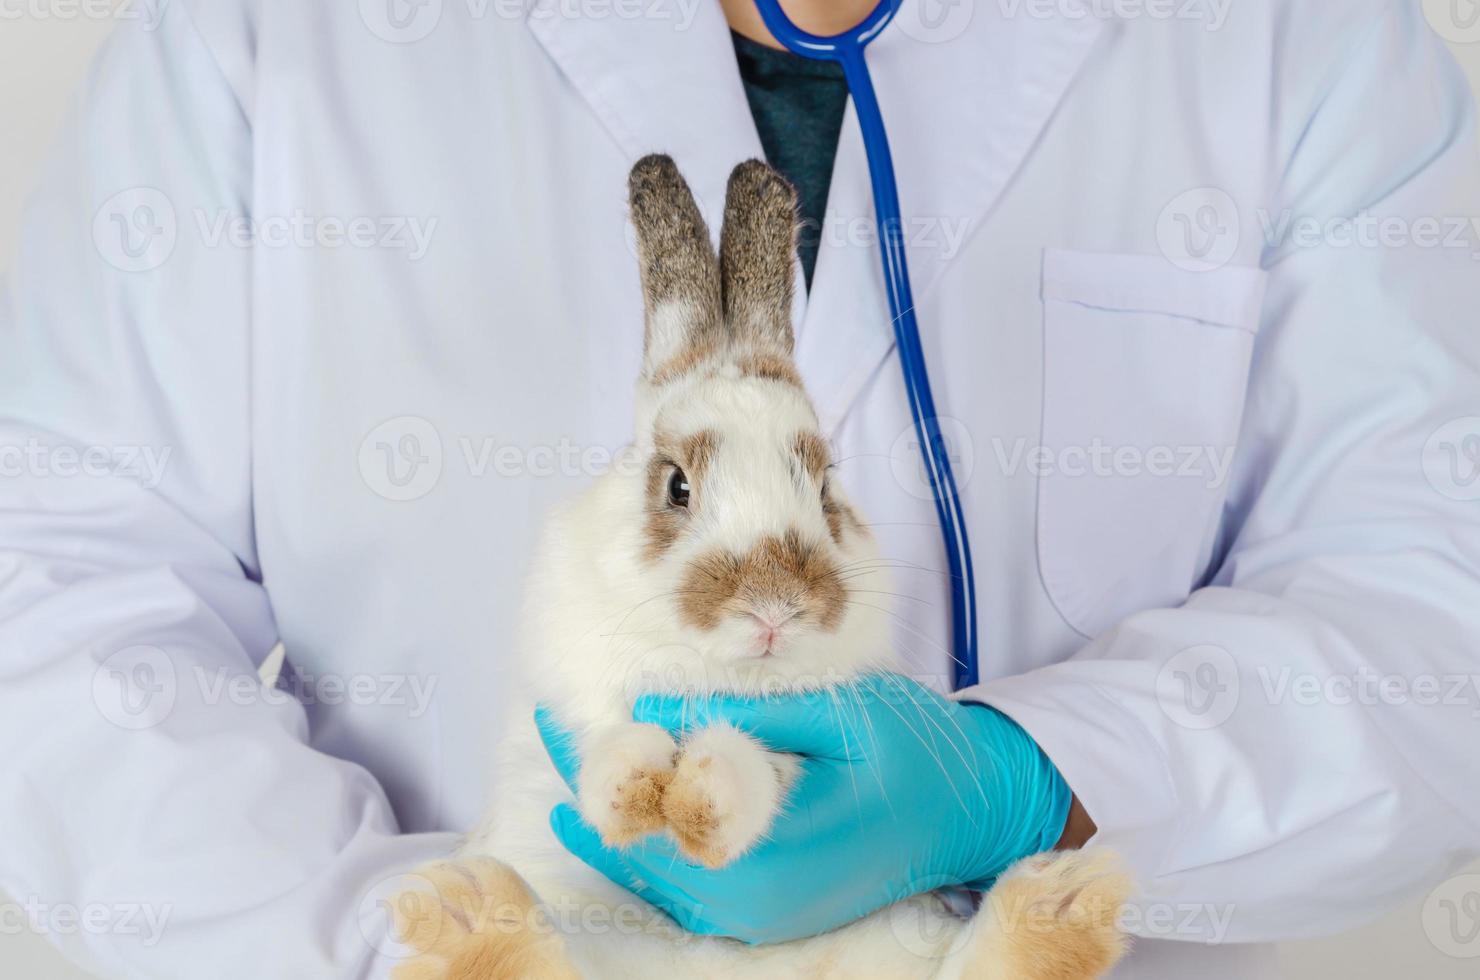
798 105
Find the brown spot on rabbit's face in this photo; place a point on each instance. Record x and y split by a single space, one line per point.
815 458
840 517
812 452
693 455
782 571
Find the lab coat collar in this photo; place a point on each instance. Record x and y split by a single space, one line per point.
964 104
663 82
964 98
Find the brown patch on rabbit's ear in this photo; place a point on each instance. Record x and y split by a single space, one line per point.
680 273
773 367
757 252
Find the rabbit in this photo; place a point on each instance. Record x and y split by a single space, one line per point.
726 562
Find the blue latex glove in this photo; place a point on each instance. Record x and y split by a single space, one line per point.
901 792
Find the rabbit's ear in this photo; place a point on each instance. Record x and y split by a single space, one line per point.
680 274
757 249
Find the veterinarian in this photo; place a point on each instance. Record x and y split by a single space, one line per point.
320 307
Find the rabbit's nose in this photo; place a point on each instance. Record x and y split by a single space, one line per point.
773 619
769 622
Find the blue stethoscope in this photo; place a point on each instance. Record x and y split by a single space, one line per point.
847 50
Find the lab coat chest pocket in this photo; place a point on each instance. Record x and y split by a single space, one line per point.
1145 370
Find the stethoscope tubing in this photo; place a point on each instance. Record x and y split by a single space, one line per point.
848 50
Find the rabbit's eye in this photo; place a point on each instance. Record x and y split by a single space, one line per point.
678 489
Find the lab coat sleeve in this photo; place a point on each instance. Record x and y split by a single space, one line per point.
162 816
1293 751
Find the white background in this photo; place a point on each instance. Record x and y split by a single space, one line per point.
44 49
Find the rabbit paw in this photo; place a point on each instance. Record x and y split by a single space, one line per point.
1052 917
623 777
724 793
476 920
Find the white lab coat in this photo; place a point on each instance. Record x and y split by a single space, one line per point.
348 444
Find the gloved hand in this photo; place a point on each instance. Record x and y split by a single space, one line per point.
901 792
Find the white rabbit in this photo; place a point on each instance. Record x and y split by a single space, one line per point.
728 560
